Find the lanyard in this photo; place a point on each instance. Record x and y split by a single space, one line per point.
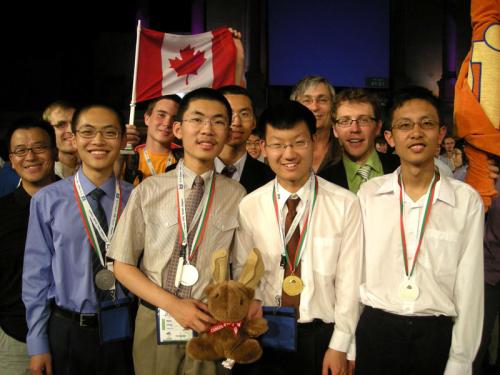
203 212
170 161
309 205
425 219
90 221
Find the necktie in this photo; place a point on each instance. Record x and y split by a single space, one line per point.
228 170
364 172
292 204
95 204
192 202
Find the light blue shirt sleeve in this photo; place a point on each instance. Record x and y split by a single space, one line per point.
37 279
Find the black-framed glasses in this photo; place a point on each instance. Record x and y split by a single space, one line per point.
407 125
90 132
362 121
36 149
244 115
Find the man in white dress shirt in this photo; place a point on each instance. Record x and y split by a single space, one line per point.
423 263
318 270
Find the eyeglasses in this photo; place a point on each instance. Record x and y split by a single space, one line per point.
90 132
244 115
297 145
198 122
407 125
61 125
362 121
253 143
36 149
320 100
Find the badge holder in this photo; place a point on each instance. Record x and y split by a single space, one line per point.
168 331
282 333
114 320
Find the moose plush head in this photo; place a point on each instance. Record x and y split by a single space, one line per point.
233 337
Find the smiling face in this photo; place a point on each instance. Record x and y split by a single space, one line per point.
358 141
60 119
98 154
243 121
416 147
319 101
203 130
292 165
160 121
35 169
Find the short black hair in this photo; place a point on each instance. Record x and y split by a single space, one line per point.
31 123
109 107
286 115
400 97
203 93
234 90
379 139
173 97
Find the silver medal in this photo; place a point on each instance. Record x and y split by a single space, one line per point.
105 279
408 290
189 275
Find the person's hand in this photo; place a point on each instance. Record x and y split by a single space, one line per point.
255 309
192 314
350 367
493 168
334 362
41 364
133 135
240 56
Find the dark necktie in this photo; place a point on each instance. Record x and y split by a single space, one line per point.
95 204
192 202
228 170
291 250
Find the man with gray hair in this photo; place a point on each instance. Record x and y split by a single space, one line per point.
317 94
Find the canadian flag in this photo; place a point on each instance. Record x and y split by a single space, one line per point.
170 64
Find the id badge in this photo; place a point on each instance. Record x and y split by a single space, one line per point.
168 331
114 323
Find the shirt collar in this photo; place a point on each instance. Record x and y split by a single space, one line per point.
108 187
303 193
189 176
444 191
219 164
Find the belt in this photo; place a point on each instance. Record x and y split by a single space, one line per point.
84 320
147 305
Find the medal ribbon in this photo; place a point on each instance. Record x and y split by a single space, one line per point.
427 213
90 222
292 265
181 214
170 161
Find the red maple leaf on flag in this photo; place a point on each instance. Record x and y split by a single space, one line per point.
189 63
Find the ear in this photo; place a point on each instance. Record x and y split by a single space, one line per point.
263 147
388 138
177 129
252 270
442 134
146 119
378 127
219 265
335 131
73 140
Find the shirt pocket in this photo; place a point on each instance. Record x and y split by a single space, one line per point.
161 233
325 254
443 252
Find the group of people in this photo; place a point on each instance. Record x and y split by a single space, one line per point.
379 254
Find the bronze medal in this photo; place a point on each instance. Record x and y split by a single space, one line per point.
293 285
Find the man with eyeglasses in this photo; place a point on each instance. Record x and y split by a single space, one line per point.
309 232
32 151
77 314
59 114
234 161
174 222
317 94
357 124
422 287
253 146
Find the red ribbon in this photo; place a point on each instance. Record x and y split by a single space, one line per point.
221 325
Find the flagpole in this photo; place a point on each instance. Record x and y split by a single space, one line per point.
132 101
128 148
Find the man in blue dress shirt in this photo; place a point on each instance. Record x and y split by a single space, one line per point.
70 225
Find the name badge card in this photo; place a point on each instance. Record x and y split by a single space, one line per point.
168 331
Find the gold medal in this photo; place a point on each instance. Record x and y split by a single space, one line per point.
293 285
